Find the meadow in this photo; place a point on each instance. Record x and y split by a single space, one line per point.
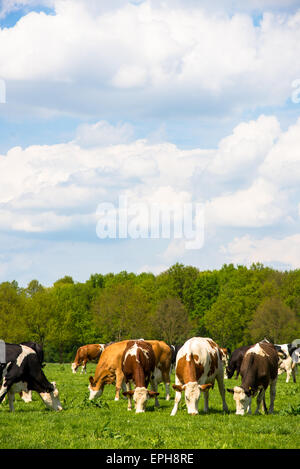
107 424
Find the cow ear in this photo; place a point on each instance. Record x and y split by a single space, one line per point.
128 393
177 387
91 380
204 387
153 393
230 390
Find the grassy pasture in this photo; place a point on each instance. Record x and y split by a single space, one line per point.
107 424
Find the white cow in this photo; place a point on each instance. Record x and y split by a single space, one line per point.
198 365
289 364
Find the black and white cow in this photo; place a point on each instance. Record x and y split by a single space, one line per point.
289 363
22 371
27 395
237 356
259 369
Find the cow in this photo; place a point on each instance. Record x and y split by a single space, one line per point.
109 369
27 395
259 369
86 353
138 364
289 364
237 356
235 361
198 365
23 371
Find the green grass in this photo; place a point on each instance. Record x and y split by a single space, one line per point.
107 424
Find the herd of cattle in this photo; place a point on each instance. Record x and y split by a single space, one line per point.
198 364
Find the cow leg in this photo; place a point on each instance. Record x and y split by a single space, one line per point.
3 392
176 400
272 395
206 396
154 387
129 396
260 397
11 399
83 368
264 404
221 387
294 372
249 406
119 381
166 380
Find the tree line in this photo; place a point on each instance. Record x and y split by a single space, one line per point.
235 306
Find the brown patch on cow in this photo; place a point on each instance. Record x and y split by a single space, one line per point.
139 366
212 344
188 370
213 363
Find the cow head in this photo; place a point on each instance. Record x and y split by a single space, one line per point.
140 397
242 399
51 398
192 394
95 388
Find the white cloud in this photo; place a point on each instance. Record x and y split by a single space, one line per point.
257 206
247 249
103 134
282 163
246 146
166 54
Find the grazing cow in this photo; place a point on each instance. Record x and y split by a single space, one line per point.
27 395
23 371
109 368
237 356
289 364
138 363
259 369
86 353
198 364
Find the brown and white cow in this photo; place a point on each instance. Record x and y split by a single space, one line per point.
109 368
138 364
259 369
86 353
198 365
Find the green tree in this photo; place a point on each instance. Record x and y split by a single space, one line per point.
12 307
224 322
171 322
275 320
121 311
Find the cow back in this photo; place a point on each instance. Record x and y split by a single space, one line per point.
199 359
259 365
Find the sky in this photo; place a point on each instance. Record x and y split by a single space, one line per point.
183 105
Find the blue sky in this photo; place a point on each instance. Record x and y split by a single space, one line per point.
174 102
